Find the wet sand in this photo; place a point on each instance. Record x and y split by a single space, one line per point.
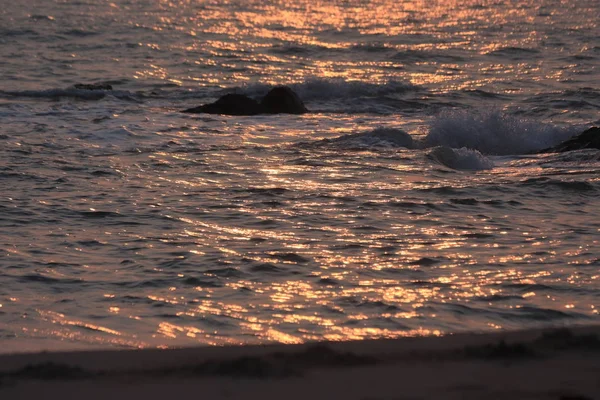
560 364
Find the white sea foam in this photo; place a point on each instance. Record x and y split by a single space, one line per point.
336 88
463 158
494 132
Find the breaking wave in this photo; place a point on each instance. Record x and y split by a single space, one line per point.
462 159
495 133
379 137
336 88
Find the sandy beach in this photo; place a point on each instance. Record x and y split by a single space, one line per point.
537 364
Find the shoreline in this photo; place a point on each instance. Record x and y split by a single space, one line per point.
552 363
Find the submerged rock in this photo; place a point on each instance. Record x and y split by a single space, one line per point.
92 86
588 139
279 100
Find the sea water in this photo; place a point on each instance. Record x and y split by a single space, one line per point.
410 201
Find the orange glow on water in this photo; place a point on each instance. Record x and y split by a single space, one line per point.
253 237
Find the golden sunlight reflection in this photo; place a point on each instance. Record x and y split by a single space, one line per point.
74 330
172 331
228 229
294 249
58 318
257 38
364 293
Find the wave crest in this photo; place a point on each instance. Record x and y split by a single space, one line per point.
378 137
335 88
463 158
495 133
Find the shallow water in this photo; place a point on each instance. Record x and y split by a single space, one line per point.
408 202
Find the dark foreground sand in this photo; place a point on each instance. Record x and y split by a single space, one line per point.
551 364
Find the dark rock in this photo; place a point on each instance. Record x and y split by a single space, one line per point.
279 100
230 104
589 139
92 86
283 100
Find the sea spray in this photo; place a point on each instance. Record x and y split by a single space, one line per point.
494 132
336 88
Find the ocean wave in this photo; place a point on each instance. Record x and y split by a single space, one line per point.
576 157
78 32
372 47
462 159
569 186
514 52
478 93
81 94
297 49
7 32
580 98
335 88
412 56
379 137
495 133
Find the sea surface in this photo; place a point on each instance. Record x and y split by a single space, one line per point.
410 201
